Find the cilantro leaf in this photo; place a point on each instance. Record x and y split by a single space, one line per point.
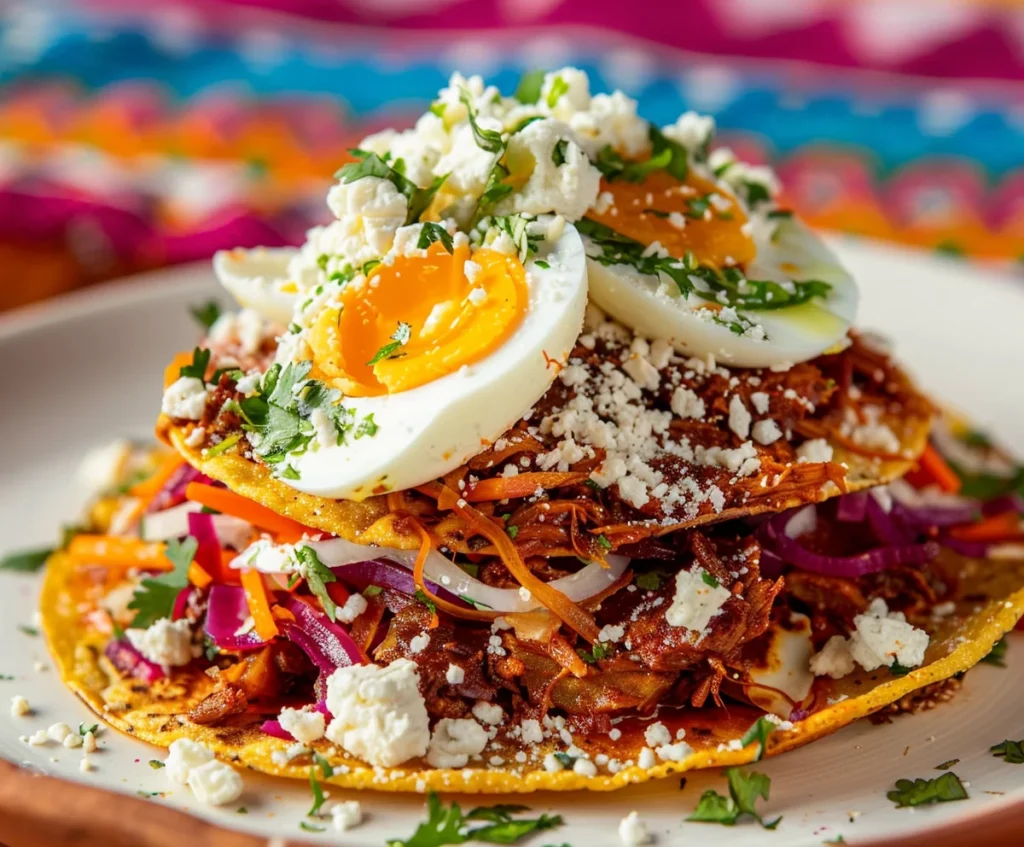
559 87
759 732
325 767
945 766
496 189
708 579
649 581
421 595
517 227
309 827
318 794
155 596
996 656
432 232
1011 752
370 164
744 791
604 542
317 576
486 139
528 89
156 764
399 338
558 152
197 368
444 825
206 314
598 652
920 792
25 561
678 164
896 669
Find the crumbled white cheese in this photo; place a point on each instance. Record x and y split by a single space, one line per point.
89 744
369 211
166 643
419 643
354 606
183 755
346 814
739 417
304 725
696 601
834 660
646 759
19 706
531 731
454 675
761 401
58 732
883 637
185 399
488 713
657 734
815 450
454 741
686 404
691 130
196 437
766 432
611 633
552 764
379 714
633 831
215 783
584 767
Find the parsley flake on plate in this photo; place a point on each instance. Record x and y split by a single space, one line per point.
25 561
399 338
759 732
744 790
155 596
921 792
1009 751
448 825
318 794
197 367
206 314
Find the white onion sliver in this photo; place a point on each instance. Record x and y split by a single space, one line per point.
802 522
579 586
173 523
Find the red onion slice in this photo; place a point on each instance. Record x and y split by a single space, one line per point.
226 613
131 662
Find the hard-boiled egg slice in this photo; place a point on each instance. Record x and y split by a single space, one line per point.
258 279
481 345
698 221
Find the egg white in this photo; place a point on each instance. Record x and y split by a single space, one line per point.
257 279
427 431
655 308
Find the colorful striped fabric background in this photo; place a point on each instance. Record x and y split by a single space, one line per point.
134 138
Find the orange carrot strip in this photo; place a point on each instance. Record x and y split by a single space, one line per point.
115 552
259 606
148 488
561 652
229 503
198 577
173 370
473 614
523 485
1003 527
931 467
417 568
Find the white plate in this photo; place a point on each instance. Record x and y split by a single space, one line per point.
86 369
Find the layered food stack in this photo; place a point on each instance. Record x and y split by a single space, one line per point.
553 461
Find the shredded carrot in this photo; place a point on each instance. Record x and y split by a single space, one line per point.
259 606
173 370
113 551
229 503
523 485
148 488
1003 527
473 614
561 652
932 467
198 577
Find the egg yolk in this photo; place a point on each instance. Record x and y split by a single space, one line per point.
418 319
695 215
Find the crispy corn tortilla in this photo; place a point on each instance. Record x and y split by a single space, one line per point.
157 713
369 521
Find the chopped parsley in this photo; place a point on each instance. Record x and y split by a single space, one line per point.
84 730
197 367
206 314
708 579
25 561
155 596
306 826
210 648
540 263
604 542
224 446
593 656
325 767
558 152
449 825
370 164
399 338
496 189
945 766
744 791
318 794
372 590
565 759
997 655
698 207
530 84
759 732
512 531
666 155
486 139
156 764
559 88
432 232
278 414
30 631
725 286
317 576
367 427
1011 752
421 595
896 669
517 228
649 581
920 792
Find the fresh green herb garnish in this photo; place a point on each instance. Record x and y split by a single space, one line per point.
30 631
84 730
945 766
318 794
308 827
317 576
486 139
206 314
156 764
708 579
648 581
224 445
432 232
421 595
744 791
528 89
372 590
516 227
326 769
697 207
759 732
558 152
399 338
496 189
540 263
197 367
559 87
997 655
26 561
1011 752
370 164
6 677
566 760
448 825
920 792
512 531
155 596
596 653
210 648
604 542
367 427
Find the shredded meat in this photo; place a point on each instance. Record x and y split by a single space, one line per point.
222 703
